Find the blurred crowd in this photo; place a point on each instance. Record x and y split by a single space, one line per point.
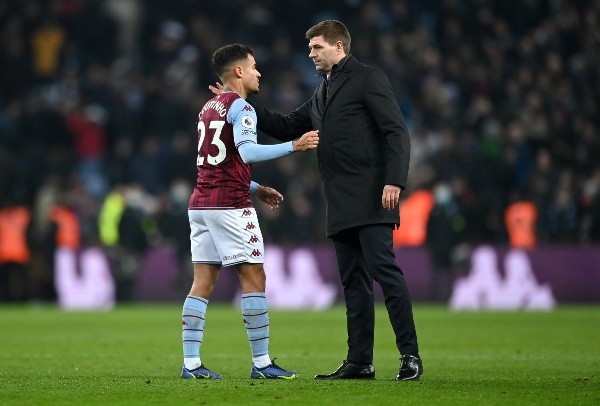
99 99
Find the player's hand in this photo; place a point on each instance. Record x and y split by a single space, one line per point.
270 196
391 196
309 140
217 89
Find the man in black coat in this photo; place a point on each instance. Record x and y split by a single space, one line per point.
363 161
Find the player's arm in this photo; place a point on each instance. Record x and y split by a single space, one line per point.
279 126
243 119
266 194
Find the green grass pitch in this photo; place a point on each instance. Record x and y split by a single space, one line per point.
132 355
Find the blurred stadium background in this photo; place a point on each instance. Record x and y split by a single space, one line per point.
98 101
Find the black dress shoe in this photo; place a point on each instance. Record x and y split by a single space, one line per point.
411 368
350 371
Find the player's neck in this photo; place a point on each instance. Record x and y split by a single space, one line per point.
229 88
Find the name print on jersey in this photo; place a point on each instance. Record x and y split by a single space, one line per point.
215 105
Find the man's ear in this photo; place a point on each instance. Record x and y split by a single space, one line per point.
237 71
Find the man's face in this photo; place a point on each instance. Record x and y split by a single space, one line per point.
323 54
250 75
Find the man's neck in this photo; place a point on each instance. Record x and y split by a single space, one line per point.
228 88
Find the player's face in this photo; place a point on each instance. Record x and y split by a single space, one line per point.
323 54
251 75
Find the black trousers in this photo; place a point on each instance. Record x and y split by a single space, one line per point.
365 254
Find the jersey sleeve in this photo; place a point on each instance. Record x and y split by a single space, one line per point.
243 120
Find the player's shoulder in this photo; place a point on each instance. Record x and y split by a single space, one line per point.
241 108
242 104
228 98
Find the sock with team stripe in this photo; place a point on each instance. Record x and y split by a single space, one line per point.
256 319
193 314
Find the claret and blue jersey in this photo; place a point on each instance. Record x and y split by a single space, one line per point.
227 146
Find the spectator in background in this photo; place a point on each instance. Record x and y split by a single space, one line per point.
173 225
520 218
47 43
445 233
561 220
591 207
414 215
148 166
15 253
88 128
180 157
120 224
43 238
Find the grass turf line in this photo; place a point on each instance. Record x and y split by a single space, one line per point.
132 355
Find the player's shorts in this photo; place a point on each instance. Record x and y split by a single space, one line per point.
226 236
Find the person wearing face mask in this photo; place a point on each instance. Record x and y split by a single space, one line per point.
445 230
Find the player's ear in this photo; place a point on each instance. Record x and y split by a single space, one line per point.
237 71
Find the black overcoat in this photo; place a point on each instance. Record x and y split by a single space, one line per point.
364 143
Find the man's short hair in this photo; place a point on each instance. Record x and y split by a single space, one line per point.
227 55
332 32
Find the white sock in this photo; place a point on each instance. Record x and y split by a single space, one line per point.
192 363
262 361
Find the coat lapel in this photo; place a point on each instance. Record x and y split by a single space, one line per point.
321 97
336 85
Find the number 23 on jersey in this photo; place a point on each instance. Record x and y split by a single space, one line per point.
217 126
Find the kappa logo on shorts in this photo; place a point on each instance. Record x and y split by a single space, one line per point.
250 226
246 213
256 253
254 239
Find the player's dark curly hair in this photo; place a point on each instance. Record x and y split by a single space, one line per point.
225 56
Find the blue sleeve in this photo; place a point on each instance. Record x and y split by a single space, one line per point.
243 119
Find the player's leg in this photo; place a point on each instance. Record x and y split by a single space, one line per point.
206 271
255 314
238 239
255 311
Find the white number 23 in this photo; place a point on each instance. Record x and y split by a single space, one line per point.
218 127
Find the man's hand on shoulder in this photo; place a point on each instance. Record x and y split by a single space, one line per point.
217 89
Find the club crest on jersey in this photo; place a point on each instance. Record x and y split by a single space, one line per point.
248 122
